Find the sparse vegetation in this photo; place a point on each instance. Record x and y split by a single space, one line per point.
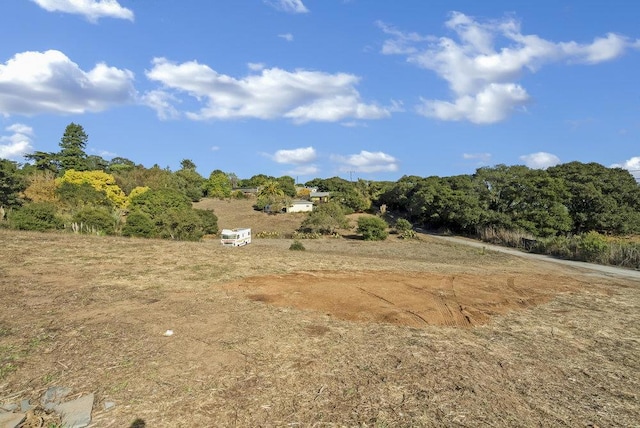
297 246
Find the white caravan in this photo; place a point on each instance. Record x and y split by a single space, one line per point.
235 237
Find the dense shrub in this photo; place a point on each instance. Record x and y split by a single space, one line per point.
372 228
139 224
96 219
36 216
156 202
325 219
209 221
180 224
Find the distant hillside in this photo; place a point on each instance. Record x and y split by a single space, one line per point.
240 213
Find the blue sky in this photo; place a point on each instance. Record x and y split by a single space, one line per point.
370 89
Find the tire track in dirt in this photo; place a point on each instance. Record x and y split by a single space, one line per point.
396 307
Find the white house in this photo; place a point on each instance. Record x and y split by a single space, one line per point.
300 206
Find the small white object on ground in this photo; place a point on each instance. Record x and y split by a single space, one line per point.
168 333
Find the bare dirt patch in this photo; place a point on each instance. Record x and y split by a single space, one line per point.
410 299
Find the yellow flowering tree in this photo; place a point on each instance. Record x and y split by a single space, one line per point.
100 181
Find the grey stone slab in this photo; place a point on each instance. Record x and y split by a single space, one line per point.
9 407
76 413
54 395
11 420
109 404
25 406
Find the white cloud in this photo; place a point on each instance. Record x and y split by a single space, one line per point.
633 165
287 36
255 66
540 160
49 82
367 162
290 6
295 156
304 170
161 102
301 95
90 9
488 58
18 144
491 105
482 158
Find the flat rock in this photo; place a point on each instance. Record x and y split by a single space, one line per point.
53 396
11 420
76 413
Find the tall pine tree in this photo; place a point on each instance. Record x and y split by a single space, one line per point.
72 144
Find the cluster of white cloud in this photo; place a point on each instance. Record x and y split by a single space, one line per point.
481 159
367 162
299 95
302 158
49 82
633 165
290 6
16 145
482 73
540 160
90 9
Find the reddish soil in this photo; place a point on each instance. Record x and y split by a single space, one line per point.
410 299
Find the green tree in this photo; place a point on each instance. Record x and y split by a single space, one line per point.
74 196
187 164
287 185
72 145
119 164
44 161
12 183
601 199
189 181
96 163
155 202
325 219
218 185
518 197
372 228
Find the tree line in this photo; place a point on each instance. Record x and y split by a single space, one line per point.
69 187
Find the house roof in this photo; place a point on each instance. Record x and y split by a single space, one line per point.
319 194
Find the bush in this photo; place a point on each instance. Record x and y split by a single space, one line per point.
403 225
37 216
373 228
156 203
180 224
209 221
325 219
297 246
139 224
96 219
593 247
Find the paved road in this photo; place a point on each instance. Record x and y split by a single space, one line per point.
599 269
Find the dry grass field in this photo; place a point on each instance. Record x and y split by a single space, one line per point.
347 333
